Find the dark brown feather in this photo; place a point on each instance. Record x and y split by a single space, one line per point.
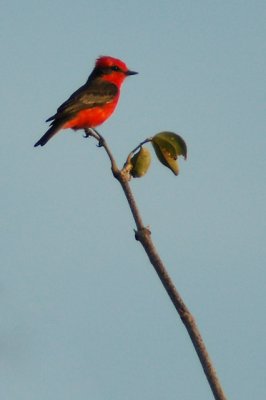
93 94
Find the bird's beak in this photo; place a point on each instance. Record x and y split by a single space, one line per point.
128 72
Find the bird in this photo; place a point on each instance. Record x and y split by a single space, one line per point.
94 102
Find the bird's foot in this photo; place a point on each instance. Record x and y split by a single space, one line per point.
87 133
100 142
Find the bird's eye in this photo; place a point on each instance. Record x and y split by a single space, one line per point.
115 68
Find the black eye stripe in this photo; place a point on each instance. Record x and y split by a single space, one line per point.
98 71
115 68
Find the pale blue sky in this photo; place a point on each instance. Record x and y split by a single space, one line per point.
83 314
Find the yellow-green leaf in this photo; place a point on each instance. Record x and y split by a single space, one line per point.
175 140
166 157
140 163
168 146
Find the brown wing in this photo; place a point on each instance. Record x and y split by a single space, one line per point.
92 94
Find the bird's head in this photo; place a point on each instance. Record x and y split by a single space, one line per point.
112 69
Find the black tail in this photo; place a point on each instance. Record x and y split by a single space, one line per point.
48 135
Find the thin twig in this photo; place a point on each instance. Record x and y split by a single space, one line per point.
136 148
102 143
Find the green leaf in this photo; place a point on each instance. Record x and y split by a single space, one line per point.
175 140
168 146
140 163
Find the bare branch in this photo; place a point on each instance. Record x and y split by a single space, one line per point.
143 235
102 143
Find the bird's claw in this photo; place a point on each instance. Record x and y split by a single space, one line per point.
87 133
100 142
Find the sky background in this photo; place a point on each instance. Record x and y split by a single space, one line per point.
83 314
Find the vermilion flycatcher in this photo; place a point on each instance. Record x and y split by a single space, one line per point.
93 102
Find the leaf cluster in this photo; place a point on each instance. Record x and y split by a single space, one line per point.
168 146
